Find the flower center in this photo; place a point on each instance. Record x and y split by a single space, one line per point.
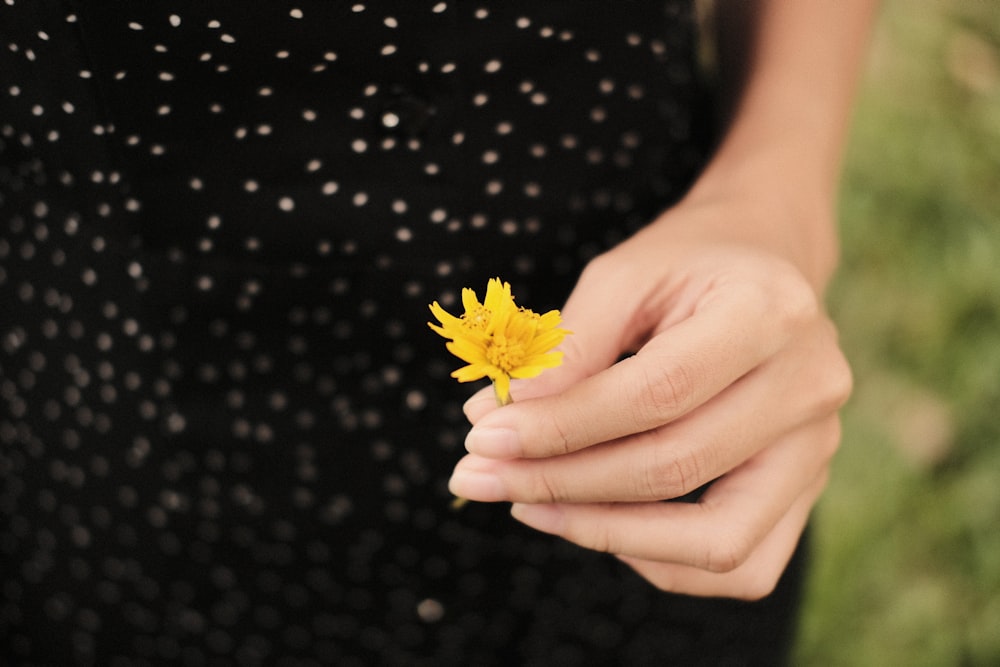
477 319
505 354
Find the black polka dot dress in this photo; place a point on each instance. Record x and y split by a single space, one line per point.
225 429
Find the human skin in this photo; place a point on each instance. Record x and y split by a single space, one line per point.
735 373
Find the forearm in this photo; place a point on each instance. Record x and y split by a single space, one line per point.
788 69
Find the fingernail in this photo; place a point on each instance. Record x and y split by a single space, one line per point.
495 443
546 518
474 485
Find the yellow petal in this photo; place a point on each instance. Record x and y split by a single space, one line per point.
469 301
445 332
467 351
470 373
549 320
499 322
549 360
498 296
524 372
450 324
546 341
521 326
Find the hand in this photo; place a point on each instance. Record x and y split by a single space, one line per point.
736 377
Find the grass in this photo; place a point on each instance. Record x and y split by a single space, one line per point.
907 566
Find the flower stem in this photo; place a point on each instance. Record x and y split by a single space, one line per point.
501 401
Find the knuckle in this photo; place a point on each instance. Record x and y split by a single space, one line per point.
842 381
788 301
545 489
664 393
556 433
726 554
801 302
573 350
757 588
669 475
835 385
829 439
797 302
666 583
598 269
601 539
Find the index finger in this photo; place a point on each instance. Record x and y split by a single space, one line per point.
675 372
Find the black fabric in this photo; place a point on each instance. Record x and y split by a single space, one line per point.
225 430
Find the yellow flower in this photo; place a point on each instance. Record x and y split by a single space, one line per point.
499 340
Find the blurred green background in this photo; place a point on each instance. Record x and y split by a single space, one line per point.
907 538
